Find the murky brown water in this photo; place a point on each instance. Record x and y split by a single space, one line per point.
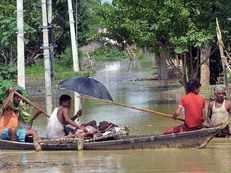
149 94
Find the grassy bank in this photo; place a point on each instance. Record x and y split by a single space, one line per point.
36 71
63 65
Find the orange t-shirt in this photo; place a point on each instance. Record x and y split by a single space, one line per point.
9 119
193 105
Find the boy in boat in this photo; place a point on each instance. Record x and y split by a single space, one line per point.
60 124
192 104
9 120
219 111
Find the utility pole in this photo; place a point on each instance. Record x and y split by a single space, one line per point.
73 37
49 12
46 54
20 45
77 101
76 24
50 27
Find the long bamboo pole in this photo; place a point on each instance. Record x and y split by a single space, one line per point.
132 107
30 103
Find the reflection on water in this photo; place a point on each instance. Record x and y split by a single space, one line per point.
113 66
149 94
146 161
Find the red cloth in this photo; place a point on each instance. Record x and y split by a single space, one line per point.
179 129
193 105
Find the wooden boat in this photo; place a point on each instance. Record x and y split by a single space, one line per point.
193 139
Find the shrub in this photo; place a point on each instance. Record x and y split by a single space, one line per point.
108 54
5 85
8 72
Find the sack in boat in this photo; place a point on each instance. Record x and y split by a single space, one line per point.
92 123
105 126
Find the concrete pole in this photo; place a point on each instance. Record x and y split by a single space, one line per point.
77 101
49 11
20 45
50 18
46 54
73 37
76 25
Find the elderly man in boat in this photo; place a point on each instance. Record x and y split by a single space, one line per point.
219 111
192 105
11 114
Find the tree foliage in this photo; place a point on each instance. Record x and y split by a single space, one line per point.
178 27
87 24
172 22
5 85
88 21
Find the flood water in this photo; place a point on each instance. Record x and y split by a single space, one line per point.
161 96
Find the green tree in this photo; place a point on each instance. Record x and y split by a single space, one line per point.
87 25
172 28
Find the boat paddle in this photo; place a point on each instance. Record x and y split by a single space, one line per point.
133 107
30 103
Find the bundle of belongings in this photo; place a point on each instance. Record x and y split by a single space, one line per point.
105 130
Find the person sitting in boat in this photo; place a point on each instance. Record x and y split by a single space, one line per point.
192 104
9 120
219 111
60 124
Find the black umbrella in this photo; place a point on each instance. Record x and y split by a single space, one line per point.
87 87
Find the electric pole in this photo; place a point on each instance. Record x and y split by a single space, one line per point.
46 54
20 45
77 101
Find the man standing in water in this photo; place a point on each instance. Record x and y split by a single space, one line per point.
193 106
219 111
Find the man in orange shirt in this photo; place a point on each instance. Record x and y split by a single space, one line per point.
9 120
192 104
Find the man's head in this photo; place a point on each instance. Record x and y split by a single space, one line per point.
193 86
219 92
65 101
